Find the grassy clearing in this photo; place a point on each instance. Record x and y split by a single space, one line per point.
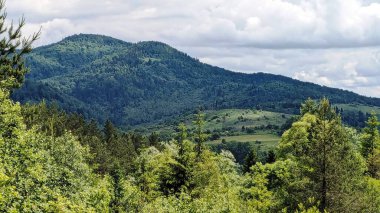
263 141
265 138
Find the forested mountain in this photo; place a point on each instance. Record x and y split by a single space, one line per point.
132 83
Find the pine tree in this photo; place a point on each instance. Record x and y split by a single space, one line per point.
250 160
12 49
370 146
322 148
178 176
181 137
308 107
110 132
200 136
271 157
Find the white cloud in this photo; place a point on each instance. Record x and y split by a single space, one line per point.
330 42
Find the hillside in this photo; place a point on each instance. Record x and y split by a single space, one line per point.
134 83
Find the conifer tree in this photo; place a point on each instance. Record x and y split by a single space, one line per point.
200 136
182 136
250 160
322 148
110 132
308 107
370 146
271 157
13 46
153 139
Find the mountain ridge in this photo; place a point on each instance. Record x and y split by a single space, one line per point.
133 83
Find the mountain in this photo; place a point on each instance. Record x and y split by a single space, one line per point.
133 83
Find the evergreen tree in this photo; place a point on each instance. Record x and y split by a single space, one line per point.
250 160
200 136
321 146
308 107
110 132
181 137
271 157
12 49
153 139
370 146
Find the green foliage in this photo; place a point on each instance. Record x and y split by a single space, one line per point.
371 195
43 173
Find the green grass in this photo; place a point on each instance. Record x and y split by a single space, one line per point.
263 140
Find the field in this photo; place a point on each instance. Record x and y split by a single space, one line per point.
265 138
262 140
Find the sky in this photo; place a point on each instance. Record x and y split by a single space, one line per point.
334 43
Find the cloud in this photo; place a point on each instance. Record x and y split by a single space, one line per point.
254 23
334 43
355 69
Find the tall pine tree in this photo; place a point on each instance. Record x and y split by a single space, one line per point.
370 146
322 148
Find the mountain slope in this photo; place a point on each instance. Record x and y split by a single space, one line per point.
133 83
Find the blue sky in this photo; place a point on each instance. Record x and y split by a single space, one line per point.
330 42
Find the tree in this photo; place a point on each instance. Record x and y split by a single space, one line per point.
250 160
271 157
370 146
181 137
153 139
110 132
308 107
200 136
12 49
322 148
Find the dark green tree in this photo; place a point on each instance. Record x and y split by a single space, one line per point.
271 157
110 132
153 139
250 160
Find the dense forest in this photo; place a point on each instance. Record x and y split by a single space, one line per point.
133 83
54 161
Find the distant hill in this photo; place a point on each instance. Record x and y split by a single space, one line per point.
133 83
